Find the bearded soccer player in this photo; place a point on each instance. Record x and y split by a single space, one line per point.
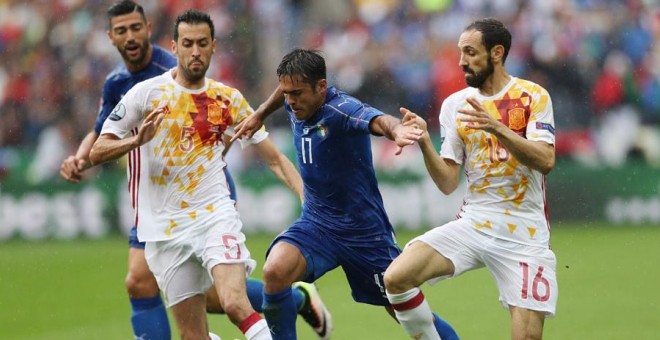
129 32
500 129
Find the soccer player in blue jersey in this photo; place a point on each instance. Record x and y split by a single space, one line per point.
129 32
343 221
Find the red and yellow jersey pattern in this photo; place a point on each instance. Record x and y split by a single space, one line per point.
177 179
504 198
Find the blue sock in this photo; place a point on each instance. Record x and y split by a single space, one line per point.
298 298
255 293
149 319
444 329
281 313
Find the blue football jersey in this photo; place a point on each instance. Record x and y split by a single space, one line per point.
334 156
120 80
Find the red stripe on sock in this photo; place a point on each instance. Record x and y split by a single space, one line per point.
410 304
249 322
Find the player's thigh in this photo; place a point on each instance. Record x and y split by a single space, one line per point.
178 271
365 269
408 270
223 242
457 248
525 275
303 252
526 324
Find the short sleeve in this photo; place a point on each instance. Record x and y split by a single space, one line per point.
452 146
126 115
541 125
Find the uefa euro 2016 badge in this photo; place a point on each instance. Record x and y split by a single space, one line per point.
118 112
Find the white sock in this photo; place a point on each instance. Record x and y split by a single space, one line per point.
413 312
258 331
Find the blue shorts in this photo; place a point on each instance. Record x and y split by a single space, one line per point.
133 241
364 266
230 184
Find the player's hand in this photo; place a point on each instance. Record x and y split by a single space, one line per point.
412 119
150 125
406 133
72 168
248 126
478 118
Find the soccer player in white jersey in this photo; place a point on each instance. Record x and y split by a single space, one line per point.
501 129
176 122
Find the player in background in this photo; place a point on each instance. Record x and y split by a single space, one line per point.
501 129
129 32
343 221
174 124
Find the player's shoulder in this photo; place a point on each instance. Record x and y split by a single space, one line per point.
529 86
223 89
162 58
340 101
118 74
458 97
149 85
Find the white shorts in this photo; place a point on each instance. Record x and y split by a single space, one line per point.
182 266
525 275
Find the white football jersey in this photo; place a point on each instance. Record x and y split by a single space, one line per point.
504 198
177 180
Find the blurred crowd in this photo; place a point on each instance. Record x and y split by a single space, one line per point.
599 59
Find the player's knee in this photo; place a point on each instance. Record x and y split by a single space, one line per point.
139 284
396 281
275 278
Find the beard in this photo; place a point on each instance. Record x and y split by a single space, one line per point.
137 60
196 74
476 79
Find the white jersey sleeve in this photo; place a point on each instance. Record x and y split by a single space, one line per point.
128 114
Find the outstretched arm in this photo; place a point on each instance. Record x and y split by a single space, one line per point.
393 129
73 166
281 166
253 123
445 173
109 147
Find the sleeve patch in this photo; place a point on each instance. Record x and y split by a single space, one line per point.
545 126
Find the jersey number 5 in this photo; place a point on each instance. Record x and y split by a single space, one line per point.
186 143
539 280
230 241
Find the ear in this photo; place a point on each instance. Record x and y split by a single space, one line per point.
149 29
496 53
214 45
322 85
173 46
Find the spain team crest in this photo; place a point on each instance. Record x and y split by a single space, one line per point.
517 119
214 114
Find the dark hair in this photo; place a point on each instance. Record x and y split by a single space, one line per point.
307 63
124 7
191 17
493 32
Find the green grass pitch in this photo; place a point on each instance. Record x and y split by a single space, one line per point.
608 281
